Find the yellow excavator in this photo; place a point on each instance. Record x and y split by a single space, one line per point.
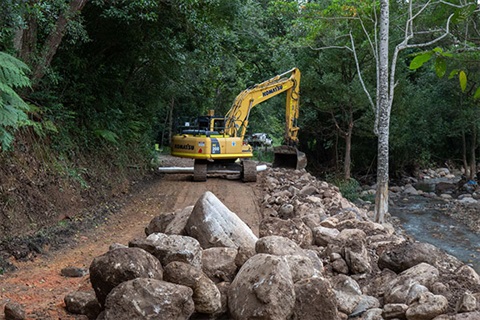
216 142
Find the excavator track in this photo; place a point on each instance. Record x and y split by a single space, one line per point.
249 171
200 171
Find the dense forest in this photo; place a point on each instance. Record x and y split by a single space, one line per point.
91 82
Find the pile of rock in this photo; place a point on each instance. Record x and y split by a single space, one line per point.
318 257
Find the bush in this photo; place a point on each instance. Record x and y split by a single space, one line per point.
350 189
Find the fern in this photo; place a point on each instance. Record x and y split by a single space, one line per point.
13 109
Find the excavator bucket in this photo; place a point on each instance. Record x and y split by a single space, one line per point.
289 157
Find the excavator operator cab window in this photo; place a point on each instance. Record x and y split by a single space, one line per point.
219 125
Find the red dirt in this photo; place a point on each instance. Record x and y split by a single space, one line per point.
38 286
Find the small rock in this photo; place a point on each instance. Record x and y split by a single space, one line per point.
73 272
467 303
82 302
14 311
394 311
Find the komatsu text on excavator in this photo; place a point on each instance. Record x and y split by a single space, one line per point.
216 143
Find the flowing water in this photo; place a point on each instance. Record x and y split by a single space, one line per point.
426 221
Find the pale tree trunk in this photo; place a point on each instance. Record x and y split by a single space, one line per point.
383 108
54 39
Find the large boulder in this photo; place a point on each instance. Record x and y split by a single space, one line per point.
214 225
219 263
149 299
278 246
116 266
179 221
263 289
301 267
428 307
168 248
406 255
293 229
314 299
347 293
354 250
322 236
206 295
160 223
399 289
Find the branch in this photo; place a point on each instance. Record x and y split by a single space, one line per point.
331 47
360 72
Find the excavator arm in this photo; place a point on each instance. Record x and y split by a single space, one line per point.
236 120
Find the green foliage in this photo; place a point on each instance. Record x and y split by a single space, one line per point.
350 189
13 109
263 154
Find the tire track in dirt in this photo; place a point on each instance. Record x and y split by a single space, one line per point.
40 288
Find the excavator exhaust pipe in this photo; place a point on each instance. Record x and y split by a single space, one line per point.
289 157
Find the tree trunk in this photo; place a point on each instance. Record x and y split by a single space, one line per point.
170 121
473 159
54 39
348 147
25 40
383 106
464 153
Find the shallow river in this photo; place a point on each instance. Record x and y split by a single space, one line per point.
426 221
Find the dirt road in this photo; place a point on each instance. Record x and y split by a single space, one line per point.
40 288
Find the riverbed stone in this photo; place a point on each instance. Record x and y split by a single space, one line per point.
143 298
214 225
263 288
